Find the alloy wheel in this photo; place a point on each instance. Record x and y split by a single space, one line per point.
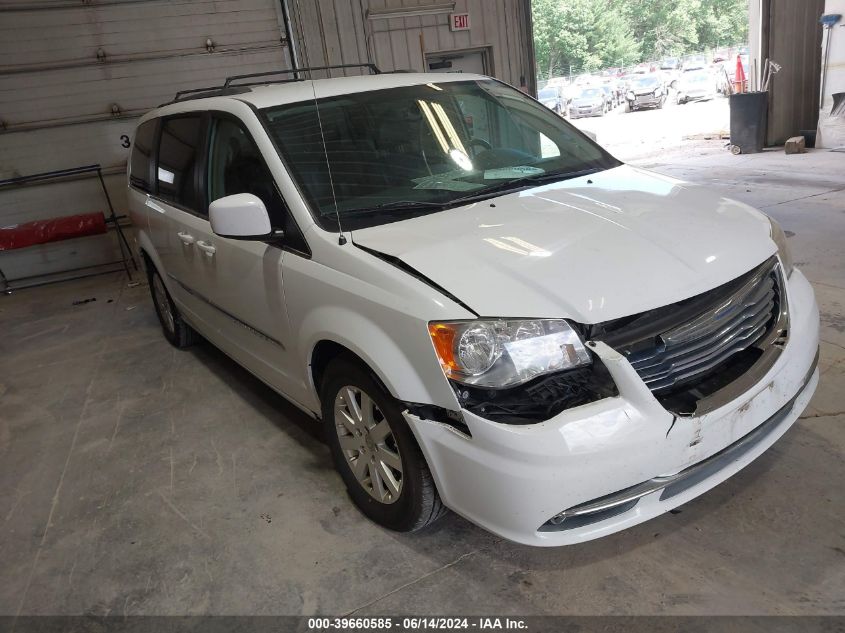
368 444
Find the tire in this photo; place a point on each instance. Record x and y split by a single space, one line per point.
416 504
176 331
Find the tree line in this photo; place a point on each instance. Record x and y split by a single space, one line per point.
589 35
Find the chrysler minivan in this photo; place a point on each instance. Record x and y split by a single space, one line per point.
486 311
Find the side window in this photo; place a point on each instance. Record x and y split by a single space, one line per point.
177 157
141 163
236 166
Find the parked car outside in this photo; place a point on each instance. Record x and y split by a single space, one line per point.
670 67
646 91
551 97
591 101
696 85
609 96
484 309
693 62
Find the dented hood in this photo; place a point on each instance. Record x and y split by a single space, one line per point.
591 249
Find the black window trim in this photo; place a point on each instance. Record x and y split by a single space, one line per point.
153 158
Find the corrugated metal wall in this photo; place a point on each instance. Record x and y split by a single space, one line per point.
791 35
75 75
333 32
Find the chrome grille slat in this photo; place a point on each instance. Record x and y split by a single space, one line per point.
748 296
640 362
677 376
730 325
706 328
681 358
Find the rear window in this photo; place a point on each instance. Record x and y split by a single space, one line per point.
141 163
177 157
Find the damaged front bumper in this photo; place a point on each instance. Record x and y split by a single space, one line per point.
602 467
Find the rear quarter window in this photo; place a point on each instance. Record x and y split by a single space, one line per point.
141 160
178 152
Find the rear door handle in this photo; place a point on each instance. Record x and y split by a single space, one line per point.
186 238
206 248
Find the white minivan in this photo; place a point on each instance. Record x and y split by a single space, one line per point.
486 310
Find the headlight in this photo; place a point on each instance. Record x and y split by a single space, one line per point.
630 95
503 353
779 238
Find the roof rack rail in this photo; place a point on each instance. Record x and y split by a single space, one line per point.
202 93
228 89
296 72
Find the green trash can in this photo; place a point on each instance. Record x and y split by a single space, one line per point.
748 121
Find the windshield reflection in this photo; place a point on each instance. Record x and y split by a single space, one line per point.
386 155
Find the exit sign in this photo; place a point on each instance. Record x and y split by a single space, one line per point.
459 21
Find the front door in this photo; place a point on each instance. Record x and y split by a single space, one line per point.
234 287
244 279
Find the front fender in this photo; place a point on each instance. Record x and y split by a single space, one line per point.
418 380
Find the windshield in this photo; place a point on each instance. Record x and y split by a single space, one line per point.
695 77
645 82
547 93
417 149
590 93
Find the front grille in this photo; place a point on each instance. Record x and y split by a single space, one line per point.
709 340
734 324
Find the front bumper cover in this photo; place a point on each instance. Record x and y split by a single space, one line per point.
645 101
512 480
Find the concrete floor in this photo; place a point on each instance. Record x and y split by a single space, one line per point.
136 479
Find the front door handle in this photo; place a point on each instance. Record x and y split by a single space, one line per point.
186 238
206 248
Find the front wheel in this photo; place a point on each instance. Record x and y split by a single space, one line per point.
374 451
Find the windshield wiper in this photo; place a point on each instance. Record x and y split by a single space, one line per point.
523 182
387 208
409 207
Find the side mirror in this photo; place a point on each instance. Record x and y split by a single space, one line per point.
241 216
589 133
